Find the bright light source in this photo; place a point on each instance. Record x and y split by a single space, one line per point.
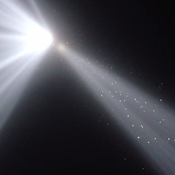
23 45
38 39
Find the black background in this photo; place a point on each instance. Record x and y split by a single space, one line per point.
57 127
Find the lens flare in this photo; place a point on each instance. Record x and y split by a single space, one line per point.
61 47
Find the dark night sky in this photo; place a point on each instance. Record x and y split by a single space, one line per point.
57 127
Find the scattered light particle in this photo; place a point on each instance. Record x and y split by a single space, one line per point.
138 137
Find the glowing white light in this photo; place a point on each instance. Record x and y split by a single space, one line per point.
23 44
38 39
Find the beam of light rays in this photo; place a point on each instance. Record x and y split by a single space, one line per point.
15 10
148 121
13 17
23 43
13 58
15 86
34 5
8 80
10 37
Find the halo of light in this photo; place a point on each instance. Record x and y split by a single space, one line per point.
61 47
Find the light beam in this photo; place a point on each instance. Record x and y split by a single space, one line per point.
23 43
148 121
